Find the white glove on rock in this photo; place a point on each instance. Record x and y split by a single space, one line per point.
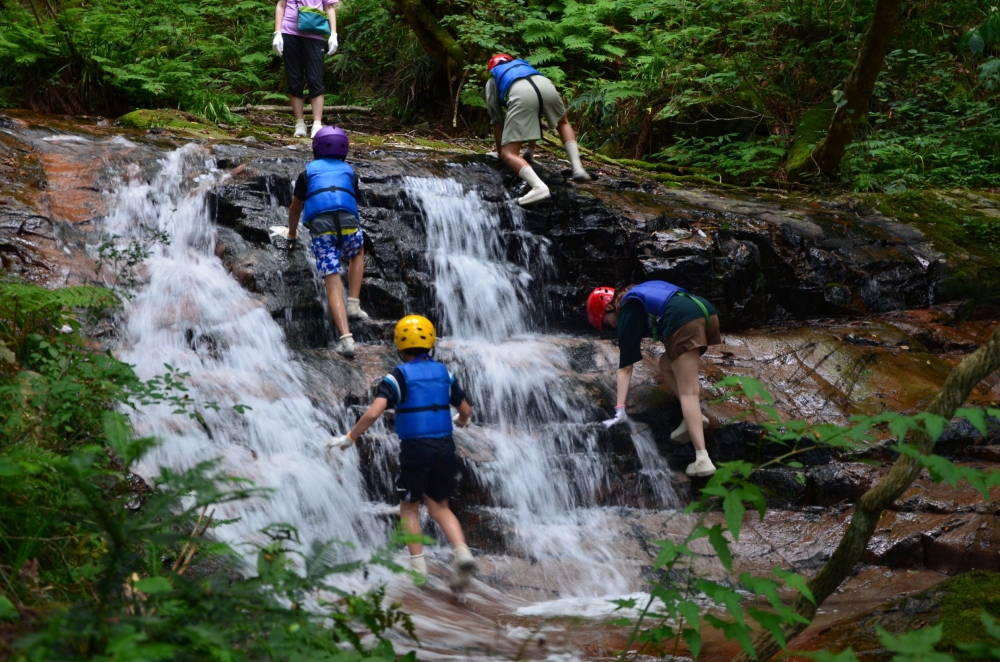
457 420
277 44
343 442
619 417
333 44
280 231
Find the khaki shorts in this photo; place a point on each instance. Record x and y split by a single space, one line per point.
522 123
692 336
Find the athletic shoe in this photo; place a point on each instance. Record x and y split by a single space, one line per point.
300 129
534 195
581 175
700 467
354 311
345 345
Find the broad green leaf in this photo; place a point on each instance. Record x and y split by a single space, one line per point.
153 585
7 610
721 546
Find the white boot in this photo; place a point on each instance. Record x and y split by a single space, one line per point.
702 465
316 127
354 311
300 129
681 436
539 191
573 152
465 567
345 345
418 564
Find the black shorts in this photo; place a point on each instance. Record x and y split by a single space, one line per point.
304 64
426 467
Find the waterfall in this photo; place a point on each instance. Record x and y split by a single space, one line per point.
192 315
547 467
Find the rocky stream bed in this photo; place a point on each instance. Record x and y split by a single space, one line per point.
837 308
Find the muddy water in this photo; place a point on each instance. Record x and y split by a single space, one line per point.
562 513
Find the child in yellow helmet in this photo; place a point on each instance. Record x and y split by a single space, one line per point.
422 391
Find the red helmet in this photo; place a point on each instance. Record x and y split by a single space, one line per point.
499 58
596 303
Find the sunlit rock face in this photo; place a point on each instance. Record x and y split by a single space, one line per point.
835 309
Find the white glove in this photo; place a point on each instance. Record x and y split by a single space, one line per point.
619 417
277 44
343 442
333 44
280 231
457 420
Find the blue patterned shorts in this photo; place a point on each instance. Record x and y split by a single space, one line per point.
328 256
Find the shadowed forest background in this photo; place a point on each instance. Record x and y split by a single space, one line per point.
736 90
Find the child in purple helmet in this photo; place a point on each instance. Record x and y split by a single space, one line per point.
325 198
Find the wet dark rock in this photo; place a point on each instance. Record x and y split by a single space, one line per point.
782 486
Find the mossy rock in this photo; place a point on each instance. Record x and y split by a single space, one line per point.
957 605
178 120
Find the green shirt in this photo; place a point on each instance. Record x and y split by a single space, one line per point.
633 324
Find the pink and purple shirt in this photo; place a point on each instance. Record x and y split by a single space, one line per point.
291 17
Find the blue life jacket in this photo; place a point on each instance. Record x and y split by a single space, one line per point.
426 413
505 74
654 296
331 189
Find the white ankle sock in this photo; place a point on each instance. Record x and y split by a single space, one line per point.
573 152
529 175
418 564
698 455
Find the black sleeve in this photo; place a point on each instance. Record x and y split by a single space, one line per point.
385 389
632 326
457 394
301 186
356 182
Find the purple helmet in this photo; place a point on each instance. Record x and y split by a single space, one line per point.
330 141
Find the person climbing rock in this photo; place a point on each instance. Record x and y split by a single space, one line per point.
422 391
325 198
305 32
687 325
528 96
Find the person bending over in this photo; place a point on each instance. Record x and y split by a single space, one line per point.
422 391
325 199
687 325
527 95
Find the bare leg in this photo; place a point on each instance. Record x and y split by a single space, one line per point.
335 296
566 133
297 103
409 517
685 371
668 373
355 274
317 108
511 155
441 513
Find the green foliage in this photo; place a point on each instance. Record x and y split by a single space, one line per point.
108 568
681 603
122 259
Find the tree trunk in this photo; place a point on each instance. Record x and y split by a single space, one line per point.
883 494
435 39
857 90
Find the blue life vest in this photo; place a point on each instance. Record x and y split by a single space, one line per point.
426 413
653 296
505 74
331 189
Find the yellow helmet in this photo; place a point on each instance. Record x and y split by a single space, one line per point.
415 331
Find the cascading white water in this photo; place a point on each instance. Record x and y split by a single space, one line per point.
193 315
547 467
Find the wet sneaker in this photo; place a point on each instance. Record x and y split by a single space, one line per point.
681 436
345 345
354 311
534 195
316 127
700 467
581 175
300 129
465 568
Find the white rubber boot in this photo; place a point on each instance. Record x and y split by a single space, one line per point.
354 311
465 567
702 465
539 191
345 345
418 564
316 127
300 129
573 152
681 436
